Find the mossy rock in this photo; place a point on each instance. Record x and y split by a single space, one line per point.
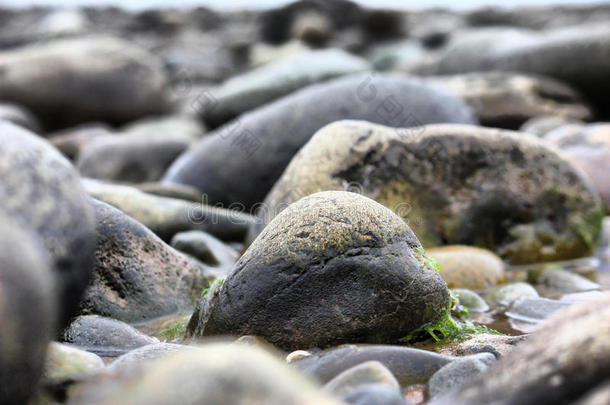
335 267
453 184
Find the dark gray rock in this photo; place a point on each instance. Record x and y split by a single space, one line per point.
271 81
535 310
105 336
334 267
75 88
240 161
408 365
563 361
137 276
27 311
72 140
42 192
502 190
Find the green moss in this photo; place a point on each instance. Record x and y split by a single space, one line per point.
425 260
446 329
588 226
216 283
174 330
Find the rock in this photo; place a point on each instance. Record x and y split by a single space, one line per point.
178 191
498 345
599 396
333 268
575 55
18 115
588 148
214 374
206 248
581 296
312 28
468 267
535 310
502 190
41 191
408 365
369 372
128 85
137 276
61 23
267 138
456 373
470 300
563 361
505 295
27 311
145 354
72 141
66 363
374 394
389 56
507 100
129 158
105 336
267 83
540 126
566 281
168 216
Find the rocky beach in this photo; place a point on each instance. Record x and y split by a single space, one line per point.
318 203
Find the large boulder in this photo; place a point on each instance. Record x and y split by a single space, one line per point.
454 184
137 276
334 267
564 361
71 81
42 192
27 312
271 81
240 161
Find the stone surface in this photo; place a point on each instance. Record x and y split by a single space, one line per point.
105 336
18 115
369 372
468 267
137 276
76 87
503 190
577 55
588 148
563 361
65 363
507 100
374 394
214 374
333 268
505 295
41 191
456 373
542 125
27 311
566 281
408 365
145 354
498 345
71 141
271 81
240 161
470 300
535 310
206 249
167 216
